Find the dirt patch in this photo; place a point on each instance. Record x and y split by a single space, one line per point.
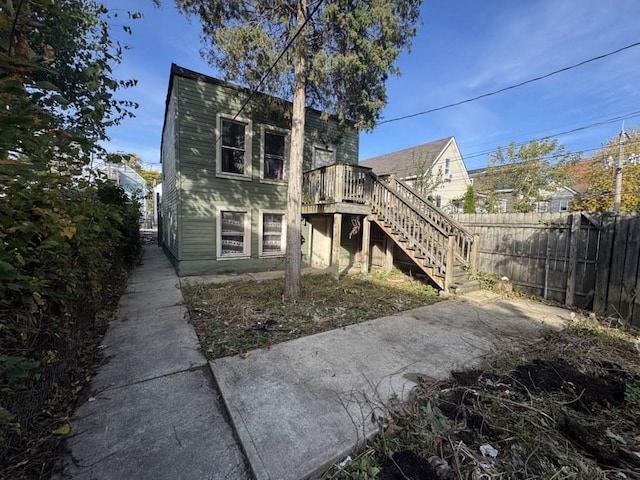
236 317
565 407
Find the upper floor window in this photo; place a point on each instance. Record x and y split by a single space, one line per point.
447 167
274 154
323 155
234 147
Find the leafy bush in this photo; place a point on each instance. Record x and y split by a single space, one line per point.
65 250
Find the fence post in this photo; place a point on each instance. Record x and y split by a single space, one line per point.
451 255
573 259
475 256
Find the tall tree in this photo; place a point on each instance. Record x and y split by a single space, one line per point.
527 171
336 56
469 200
594 177
56 83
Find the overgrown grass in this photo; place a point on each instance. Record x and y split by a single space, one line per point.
565 407
236 317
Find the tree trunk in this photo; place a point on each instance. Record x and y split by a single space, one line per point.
293 269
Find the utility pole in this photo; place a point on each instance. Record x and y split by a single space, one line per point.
618 188
634 159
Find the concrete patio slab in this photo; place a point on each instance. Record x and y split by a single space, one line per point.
304 404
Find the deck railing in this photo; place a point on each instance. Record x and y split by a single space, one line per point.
337 183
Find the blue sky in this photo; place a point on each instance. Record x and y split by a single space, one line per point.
464 48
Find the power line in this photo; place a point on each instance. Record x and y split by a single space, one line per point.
566 132
254 90
511 87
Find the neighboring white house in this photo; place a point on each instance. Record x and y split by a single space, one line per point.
129 180
557 199
440 158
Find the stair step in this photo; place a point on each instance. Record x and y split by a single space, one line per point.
460 288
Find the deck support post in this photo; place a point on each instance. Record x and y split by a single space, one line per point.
388 253
366 246
335 244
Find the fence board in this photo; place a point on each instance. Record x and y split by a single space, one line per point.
541 252
630 273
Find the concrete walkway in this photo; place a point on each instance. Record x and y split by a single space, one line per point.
296 407
155 412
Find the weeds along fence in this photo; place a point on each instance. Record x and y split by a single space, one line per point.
584 260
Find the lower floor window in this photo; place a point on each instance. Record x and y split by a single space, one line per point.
234 237
273 239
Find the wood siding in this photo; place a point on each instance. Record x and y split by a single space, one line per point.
169 186
201 191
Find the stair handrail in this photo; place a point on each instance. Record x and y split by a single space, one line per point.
388 187
466 240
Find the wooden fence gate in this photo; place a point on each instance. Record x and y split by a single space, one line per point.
590 261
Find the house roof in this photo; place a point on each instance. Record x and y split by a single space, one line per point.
404 163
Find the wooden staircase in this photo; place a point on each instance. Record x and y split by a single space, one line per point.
442 248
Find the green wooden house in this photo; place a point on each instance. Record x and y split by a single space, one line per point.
224 192
224 177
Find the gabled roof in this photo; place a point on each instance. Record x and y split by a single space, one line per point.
404 162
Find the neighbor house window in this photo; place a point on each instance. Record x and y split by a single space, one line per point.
234 233
564 205
234 147
323 155
272 234
447 168
274 154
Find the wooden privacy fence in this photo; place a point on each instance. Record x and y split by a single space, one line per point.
590 261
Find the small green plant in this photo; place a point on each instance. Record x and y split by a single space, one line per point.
364 468
487 280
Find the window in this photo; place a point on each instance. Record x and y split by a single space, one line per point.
234 147
323 156
274 154
272 234
447 168
564 205
234 233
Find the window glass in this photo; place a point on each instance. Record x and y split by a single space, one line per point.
233 147
232 234
272 233
274 155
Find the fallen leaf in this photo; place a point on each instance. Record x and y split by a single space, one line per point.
245 354
65 429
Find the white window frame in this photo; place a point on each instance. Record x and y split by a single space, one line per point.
563 205
246 251
283 243
264 129
248 141
327 148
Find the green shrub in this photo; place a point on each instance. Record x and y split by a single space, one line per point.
65 250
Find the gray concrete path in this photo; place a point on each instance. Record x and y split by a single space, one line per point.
296 408
154 412
302 405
